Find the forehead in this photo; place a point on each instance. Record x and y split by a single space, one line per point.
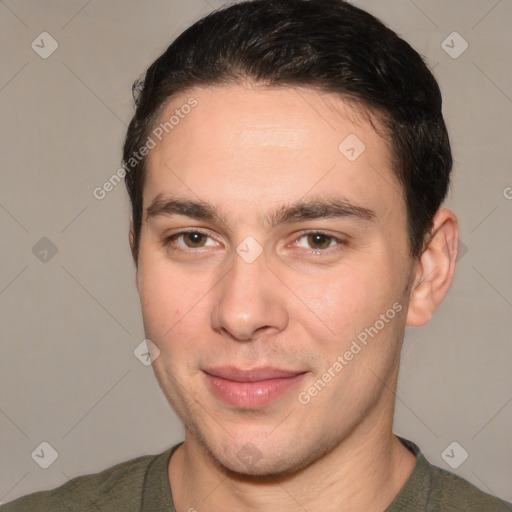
247 145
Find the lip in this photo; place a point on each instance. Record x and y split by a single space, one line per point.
252 388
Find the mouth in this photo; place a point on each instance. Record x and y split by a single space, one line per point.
252 388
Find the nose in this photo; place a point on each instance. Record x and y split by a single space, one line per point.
249 303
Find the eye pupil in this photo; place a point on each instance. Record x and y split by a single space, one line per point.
319 241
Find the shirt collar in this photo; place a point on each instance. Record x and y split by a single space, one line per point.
417 487
156 491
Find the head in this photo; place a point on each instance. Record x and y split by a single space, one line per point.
286 166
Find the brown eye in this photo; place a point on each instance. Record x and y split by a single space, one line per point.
189 241
319 241
194 239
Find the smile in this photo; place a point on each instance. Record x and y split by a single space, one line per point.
251 389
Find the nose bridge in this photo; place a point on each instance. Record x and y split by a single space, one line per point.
247 302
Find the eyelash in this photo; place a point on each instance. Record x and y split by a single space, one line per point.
339 243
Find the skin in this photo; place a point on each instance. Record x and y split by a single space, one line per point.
249 151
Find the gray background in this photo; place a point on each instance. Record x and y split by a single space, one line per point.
69 325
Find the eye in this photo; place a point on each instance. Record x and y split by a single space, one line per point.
192 240
317 241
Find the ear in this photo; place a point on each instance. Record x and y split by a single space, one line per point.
131 240
435 269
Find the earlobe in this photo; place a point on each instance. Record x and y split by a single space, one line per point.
435 269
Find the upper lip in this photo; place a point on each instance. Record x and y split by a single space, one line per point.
251 374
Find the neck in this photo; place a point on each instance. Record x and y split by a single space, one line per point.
365 471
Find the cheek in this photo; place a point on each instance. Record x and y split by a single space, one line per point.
173 303
338 300
340 304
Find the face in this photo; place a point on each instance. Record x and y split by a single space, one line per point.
272 273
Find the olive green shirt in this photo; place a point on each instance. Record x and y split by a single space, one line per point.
141 485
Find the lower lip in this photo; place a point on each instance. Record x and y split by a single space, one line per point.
251 395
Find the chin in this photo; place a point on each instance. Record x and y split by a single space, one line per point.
268 465
260 459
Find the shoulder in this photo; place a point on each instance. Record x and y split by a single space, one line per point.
430 487
117 486
456 493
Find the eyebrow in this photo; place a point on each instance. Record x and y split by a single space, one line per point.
302 210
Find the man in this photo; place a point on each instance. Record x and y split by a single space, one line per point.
286 165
